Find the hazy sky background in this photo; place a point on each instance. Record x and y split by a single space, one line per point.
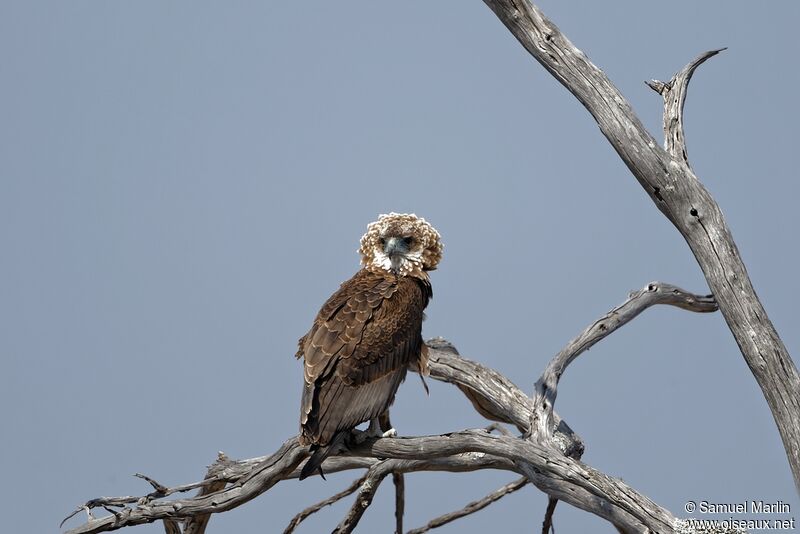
183 184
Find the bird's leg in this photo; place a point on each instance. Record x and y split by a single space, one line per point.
379 427
372 432
386 426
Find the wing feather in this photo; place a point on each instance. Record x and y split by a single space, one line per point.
358 351
349 406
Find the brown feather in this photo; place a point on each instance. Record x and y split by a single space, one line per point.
358 351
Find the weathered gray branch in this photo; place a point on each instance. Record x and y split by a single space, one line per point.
213 483
472 507
547 524
546 388
372 481
397 477
399 501
314 508
680 196
470 450
674 93
247 479
558 476
494 396
555 471
259 479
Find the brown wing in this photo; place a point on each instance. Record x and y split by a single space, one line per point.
358 351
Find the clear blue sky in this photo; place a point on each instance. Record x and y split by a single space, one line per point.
182 184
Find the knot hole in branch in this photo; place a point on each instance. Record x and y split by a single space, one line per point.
657 194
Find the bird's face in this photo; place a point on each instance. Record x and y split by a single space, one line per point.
401 243
398 250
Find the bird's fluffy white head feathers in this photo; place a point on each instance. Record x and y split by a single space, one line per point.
422 252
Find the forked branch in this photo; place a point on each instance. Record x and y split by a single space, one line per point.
669 181
546 388
555 470
314 508
674 93
369 486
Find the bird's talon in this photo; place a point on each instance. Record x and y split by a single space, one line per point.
389 433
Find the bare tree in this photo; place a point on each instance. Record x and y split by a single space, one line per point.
546 452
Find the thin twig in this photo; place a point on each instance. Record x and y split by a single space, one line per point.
397 477
159 488
370 485
119 502
314 508
399 501
547 524
257 479
472 507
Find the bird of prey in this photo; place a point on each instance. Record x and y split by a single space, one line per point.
367 335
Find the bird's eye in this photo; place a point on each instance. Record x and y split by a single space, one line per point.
382 241
408 241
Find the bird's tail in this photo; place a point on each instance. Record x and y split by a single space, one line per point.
318 455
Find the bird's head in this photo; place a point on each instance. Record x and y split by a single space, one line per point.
401 243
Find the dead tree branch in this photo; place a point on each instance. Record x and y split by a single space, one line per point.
469 450
547 524
246 479
674 93
262 476
679 195
558 476
372 481
546 388
213 483
493 395
399 501
555 471
314 508
474 506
